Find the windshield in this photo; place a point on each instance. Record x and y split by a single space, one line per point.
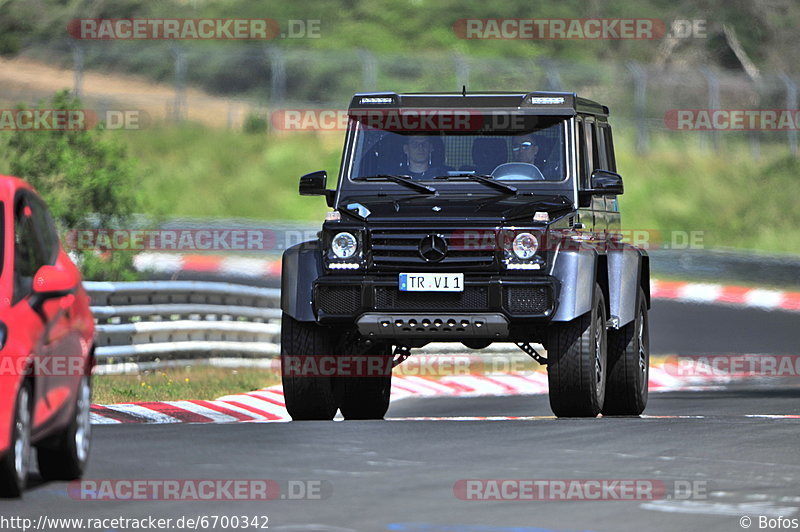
533 150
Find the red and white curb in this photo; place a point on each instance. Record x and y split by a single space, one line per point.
219 264
670 290
267 405
725 295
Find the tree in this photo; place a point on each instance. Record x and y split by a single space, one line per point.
86 177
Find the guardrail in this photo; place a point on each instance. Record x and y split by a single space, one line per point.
151 320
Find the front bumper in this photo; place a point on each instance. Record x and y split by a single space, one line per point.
344 298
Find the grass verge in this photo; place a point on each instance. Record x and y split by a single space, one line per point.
174 384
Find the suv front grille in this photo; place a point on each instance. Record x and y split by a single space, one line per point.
526 300
399 248
339 300
472 298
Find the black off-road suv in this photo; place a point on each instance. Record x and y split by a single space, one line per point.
472 218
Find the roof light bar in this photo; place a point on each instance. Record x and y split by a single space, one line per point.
376 99
536 100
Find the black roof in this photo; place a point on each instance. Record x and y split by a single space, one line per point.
539 102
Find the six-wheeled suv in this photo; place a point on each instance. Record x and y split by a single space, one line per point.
472 218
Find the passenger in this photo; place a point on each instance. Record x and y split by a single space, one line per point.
418 150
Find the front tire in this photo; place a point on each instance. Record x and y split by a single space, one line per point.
308 396
67 459
576 362
15 464
629 365
367 397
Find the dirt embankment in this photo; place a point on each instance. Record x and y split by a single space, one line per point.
29 81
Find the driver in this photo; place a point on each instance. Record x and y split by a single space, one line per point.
524 149
418 165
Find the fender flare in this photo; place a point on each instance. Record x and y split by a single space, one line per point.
628 270
301 266
576 271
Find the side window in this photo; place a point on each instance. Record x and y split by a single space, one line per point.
602 157
609 147
46 229
597 161
583 160
28 256
588 124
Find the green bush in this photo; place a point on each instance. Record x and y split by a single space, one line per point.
254 123
82 175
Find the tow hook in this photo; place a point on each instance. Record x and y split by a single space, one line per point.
401 353
531 351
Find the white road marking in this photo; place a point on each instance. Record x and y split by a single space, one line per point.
719 508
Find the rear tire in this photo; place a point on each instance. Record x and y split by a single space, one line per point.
629 365
367 397
308 396
67 459
15 464
576 362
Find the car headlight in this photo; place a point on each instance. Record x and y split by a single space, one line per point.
525 246
344 245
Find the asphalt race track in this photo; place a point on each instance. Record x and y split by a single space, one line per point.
401 474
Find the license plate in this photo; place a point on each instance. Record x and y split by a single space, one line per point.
431 282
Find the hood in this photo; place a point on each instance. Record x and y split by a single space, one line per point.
453 208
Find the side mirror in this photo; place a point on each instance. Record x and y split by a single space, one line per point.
313 184
607 182
603 182
50 282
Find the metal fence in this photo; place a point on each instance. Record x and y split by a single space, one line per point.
223 84
149 320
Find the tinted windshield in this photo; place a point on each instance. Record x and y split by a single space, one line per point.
532 151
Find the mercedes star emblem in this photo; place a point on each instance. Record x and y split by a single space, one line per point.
433 248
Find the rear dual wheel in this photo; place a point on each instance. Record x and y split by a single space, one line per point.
629 365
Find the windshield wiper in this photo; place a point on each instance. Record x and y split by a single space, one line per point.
486 180
401 180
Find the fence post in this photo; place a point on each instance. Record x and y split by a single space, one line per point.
639 104
180 82
277 79
713 99
791 103
77 67
462 71
369 70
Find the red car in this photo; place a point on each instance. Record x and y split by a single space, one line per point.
46 346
